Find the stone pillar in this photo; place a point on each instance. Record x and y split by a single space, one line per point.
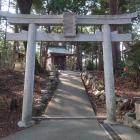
137 110
108 75
136 123
29 78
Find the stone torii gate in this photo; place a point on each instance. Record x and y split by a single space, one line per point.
69 22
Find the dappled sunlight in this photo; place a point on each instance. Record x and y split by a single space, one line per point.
70 109
97 132
73 85
71 73
77 129
57 100
73 78
70 99
65 80
58 107
88 108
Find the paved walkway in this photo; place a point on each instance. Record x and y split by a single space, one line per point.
70 98
127 133
71 115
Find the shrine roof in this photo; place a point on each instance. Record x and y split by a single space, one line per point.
59 50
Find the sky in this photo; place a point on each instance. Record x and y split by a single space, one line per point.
5 4
4 7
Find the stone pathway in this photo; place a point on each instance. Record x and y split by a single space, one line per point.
70 98
127 133
71 115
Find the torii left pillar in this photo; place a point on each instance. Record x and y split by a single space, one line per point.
29 79
109 76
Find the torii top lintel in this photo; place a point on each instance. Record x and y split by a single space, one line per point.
58 19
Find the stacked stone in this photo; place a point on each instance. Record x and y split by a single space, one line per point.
132 119
46 94
94 85
53 79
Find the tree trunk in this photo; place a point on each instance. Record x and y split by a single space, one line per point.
114 9
79 57
100 57
44 51
44 56
92 57
41 57
25 8
16 43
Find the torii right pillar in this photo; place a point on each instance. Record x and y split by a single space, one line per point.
108 75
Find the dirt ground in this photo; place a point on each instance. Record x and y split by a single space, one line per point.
124 87
11 94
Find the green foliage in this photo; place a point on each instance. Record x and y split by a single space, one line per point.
39 6
133 61
90 65
100 7
123 69
61 6
70 63
38 68
6 55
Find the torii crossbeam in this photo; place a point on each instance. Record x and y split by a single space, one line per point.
69 21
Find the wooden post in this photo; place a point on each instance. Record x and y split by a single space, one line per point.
29 79
108 75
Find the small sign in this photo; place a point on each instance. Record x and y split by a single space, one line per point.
69 22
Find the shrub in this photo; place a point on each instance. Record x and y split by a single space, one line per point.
90 65
133 62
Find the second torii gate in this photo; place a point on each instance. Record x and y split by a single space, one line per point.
69 21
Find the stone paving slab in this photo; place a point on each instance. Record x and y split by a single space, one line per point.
62 130
70 98
127 133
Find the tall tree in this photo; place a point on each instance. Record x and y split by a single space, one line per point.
113 10
120 7
25 7
61 6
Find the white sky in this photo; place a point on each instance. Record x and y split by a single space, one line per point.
5 4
